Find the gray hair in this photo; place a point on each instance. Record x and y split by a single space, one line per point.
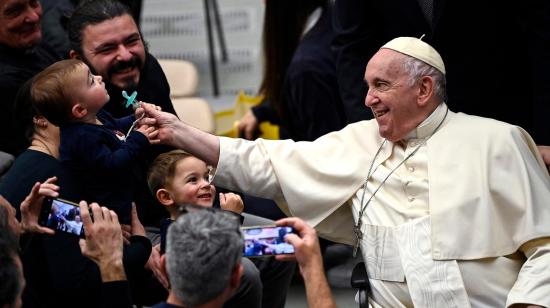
417 69
202 250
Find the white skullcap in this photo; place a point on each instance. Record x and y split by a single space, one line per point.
417 49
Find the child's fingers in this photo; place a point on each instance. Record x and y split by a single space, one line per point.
51 180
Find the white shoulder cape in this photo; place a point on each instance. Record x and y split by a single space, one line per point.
489 189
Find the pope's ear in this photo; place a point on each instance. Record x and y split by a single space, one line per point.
74 55
426 90
164 197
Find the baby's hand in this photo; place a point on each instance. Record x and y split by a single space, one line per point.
231 202
150 132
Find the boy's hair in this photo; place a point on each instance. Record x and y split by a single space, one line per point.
51 92
163 169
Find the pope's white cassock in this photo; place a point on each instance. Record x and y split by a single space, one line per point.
464 222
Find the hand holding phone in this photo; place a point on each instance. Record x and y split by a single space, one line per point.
305 243
61 215
104 243
31 207
265 241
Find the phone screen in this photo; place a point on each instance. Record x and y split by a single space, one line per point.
266 241
62 215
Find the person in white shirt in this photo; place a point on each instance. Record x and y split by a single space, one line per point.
449 210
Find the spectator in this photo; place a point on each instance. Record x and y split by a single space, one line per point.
299 81
106 37
308 255
99 246
103 245
12 281
178 178
40 160
95 146
56 15
22 55
203 259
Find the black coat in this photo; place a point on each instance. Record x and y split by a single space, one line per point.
16 67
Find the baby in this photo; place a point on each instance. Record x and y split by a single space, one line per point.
93 144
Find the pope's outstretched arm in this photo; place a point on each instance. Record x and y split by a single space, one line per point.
174 132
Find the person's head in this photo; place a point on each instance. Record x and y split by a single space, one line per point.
11 270
12 281
29 120
203 257
20 23
177 178
71 215
103 34
8 218
67 91
406 80
284 23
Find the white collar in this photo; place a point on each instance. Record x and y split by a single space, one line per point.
427 127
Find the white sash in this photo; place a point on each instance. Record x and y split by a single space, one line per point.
431 283
402 253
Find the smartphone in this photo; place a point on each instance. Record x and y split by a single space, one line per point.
264 241
61 215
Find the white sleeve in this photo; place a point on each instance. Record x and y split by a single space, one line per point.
533 283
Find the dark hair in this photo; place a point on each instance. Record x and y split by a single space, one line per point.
10 285
50 91
92 12
163 169
10 282
6 232
284 22
23 113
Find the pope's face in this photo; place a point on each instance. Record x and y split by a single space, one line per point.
20 23
391 97
114 50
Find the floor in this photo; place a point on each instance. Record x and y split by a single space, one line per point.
340 264
296 296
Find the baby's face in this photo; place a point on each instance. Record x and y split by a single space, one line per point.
89 89
190 184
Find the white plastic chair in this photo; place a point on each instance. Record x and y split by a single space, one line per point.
196 112
182 76
183 79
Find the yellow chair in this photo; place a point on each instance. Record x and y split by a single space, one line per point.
228 120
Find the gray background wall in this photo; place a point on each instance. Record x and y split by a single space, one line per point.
176 29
